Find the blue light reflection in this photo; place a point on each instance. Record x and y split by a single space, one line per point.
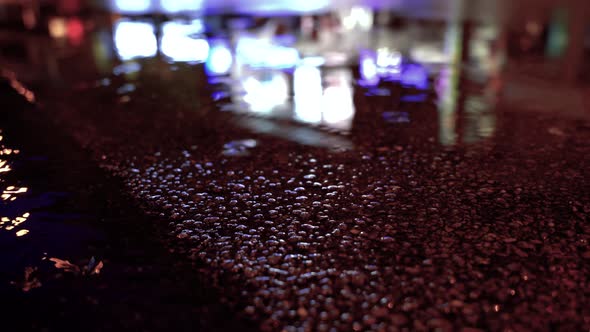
220 59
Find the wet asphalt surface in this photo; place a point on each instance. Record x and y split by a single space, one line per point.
383 226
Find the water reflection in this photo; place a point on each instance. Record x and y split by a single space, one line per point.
263 92
265 53
22 232
135 40
416 76
467 95
388 65
10 194
447 89
271 72
181 42
338 106
220 59
310 93
4 167
131 6
307 85
175 6
328 104
304 68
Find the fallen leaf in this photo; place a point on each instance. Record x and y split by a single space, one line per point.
31 281
556 131
97 269
65 265
93 267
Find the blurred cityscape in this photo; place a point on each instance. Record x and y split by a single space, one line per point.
305 54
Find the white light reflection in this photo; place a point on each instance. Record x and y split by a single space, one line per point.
12 191
314 61
175 6
12 224
178 42
388 61
135 40
307 86
332 106
338 102
383 64
131 6
263 53
429 54
220 59
283 6
358 17
3 166
264 95
368 69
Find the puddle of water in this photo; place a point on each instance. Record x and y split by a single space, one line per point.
239 148
68 242
331 72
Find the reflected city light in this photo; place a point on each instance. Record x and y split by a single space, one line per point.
9 224
307 86
220 60
338 103
332 106
75 31
11 191
10 194
415 75
179 42
126 69
263 53
9 152
480 118
388 65
264 95
135 40
174 6
446 88
4 167
131 6
299 6
382 64
388 61
314 61
368 69
357 17
20 89
57 27
429 54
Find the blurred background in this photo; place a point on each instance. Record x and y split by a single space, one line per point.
301 59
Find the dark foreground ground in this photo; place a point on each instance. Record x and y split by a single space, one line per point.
78 211
413 215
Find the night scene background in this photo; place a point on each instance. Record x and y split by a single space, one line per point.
294 165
